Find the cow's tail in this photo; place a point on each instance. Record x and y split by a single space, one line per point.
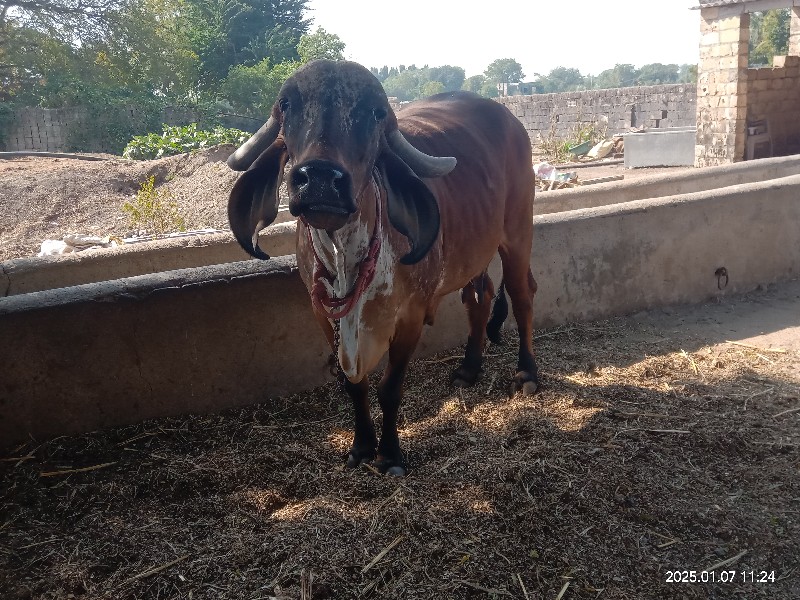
498 316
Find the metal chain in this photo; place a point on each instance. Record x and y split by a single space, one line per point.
333 359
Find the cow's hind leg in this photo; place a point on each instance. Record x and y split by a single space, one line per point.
365 441
521 287
477 298
391 459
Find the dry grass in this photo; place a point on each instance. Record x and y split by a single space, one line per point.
644 453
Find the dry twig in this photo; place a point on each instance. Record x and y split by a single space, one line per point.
383 553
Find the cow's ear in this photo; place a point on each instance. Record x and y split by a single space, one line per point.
412 207
254 199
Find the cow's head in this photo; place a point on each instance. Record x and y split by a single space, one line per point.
332 120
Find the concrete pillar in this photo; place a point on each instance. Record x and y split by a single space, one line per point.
794 32
722 87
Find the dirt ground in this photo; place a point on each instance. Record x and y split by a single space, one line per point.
49 198
660 460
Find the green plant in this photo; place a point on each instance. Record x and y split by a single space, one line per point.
180 139
153 210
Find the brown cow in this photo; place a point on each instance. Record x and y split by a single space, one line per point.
395 213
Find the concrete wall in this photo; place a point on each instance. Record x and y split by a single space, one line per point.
200 340
560 115
668 147
774 94
657 186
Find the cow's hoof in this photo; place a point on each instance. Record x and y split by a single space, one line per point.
463 377
358 457
393 468
524 382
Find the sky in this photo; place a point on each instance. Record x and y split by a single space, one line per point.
588 35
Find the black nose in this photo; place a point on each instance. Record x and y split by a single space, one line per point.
319 178
322 174
320 185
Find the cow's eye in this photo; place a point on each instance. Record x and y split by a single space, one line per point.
283 104
380 114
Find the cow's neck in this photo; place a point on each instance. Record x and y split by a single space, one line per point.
342 251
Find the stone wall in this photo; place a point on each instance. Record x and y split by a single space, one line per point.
555 115
561 115
81 129
774 94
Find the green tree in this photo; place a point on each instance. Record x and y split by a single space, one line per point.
430 88
320 44
656 74
622 75
253 90
474 83
561 79
769 36
503 71
405 85
225 33
67 20
451 78
687 74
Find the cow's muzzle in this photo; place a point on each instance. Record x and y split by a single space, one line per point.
320 191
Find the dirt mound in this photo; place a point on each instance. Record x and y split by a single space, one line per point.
48 198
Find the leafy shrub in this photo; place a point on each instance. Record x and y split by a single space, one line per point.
180 139
153 210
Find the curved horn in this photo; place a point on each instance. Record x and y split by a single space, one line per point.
247 153
423 165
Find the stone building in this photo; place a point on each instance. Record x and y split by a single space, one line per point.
731 97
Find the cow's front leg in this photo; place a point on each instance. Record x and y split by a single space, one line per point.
365 441
391 459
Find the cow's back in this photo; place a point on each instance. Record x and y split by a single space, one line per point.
492 185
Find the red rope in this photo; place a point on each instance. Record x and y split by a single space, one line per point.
336 308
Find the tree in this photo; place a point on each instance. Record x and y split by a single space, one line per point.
656 74
503 71
452 78
622 75
474 83
687 74
320 44
561 79
430 88
769 36
67 20
225 33
253 90
404 86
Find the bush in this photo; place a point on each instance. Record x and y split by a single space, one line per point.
177 140
153 210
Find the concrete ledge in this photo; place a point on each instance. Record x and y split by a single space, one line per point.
658 186
25 275
209 338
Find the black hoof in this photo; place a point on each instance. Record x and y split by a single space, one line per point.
463 377
392 468
358 457
524 382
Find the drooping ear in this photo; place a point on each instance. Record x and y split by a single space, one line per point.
412 207
253 203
